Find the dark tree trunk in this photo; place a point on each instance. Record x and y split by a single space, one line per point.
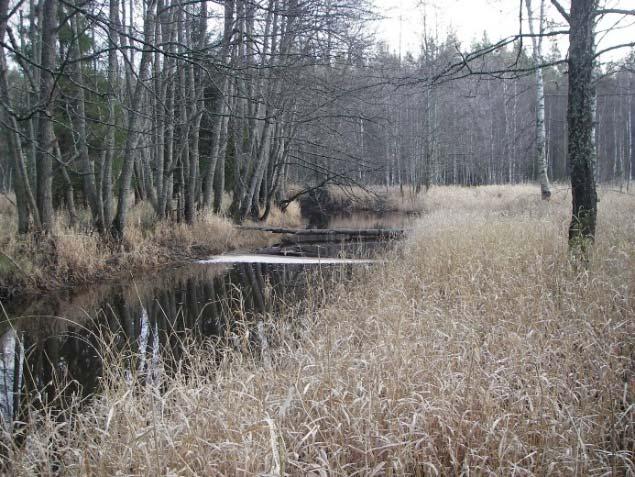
132 126
45 135
581 149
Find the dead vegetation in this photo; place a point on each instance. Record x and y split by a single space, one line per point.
481 348
76 254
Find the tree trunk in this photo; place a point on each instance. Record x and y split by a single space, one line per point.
86 166
581 150
219 134
159 112
105 185
168 176
541 159
219 175
132 126
23 194
169 91
70 191
45 135
631 132
191 119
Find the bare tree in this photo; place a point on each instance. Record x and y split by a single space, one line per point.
25 201
580 116
134 123
45 134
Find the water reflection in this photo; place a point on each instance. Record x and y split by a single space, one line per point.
11 362
51 351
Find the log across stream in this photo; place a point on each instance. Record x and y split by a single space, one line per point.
327 242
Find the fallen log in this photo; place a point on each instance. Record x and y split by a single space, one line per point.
329 232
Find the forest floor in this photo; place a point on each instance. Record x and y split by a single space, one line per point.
76 255
479 346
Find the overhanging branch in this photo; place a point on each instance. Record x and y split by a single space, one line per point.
561 10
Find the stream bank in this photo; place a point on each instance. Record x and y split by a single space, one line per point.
31 266
52 345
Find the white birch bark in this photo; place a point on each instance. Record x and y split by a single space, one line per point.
541 159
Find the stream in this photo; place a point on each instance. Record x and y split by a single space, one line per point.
50 347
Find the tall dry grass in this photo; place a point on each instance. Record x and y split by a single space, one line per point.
291 217
376 198
478 349
406 200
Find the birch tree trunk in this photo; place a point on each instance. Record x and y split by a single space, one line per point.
541 158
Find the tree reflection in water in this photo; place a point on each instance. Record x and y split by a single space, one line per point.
52 353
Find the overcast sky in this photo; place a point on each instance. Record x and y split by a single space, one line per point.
469 18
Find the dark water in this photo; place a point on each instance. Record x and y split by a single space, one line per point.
51 348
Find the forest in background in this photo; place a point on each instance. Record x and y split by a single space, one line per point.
187 105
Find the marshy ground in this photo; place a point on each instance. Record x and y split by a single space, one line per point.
478 346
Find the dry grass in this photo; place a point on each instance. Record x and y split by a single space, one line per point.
6 204
375 198
76 255
291 217
393 199
480 350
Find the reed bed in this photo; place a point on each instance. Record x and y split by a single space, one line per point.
477 348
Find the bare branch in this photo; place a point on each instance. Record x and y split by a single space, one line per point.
561 10
618 11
